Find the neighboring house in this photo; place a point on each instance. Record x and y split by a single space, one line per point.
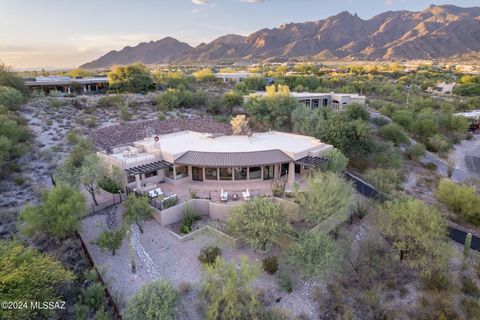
474 117
67 84
235 77
191 158
312 100
443 88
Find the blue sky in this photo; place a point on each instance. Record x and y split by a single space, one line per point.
67 33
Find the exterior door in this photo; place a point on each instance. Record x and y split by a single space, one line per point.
197 174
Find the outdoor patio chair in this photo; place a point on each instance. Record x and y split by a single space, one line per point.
152 194
223 196
246 195
159 191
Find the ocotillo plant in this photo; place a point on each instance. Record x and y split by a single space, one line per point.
468 243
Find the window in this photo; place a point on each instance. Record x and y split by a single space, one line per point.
151 174
284 169
182 172
298 168
325 102
225 174
315 103
130 179
255 173
268 172
169 173
240 173
211 174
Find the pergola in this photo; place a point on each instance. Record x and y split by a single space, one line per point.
154 166
311 162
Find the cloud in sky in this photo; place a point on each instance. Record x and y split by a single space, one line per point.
253 1
201 2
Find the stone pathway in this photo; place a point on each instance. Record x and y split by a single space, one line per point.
142 254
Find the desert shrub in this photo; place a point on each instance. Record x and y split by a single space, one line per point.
337 162
111 101
462 200
228 292
260 222
437 281
29 275
189 217
10 97
415 151
314 255
270 264
469 287
379 121
161 116
125 114
93 296
209 254
326 194
356 111
385 155
285 282
157 300
232 99
431 166
394 133
403 117
170 202
385 180
110 185
438 143
278 188
471 307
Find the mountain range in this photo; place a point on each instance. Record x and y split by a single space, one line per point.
436 32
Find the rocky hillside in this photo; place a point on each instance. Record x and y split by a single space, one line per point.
436 32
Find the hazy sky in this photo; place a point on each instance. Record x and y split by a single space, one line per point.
67 33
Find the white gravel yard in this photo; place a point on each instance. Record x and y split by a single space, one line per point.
161 255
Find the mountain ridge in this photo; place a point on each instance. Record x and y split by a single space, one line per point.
436 32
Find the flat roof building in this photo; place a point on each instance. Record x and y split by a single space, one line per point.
312 100
193 157
67 84
235 77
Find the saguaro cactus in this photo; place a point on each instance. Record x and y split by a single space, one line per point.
468 243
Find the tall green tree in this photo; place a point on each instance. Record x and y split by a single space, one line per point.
28 275
154 301
131 78
259 222
137 210
58 216
228 291
416 231
326 193
90 173
111 240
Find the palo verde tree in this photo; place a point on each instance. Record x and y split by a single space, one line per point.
416 231
337 162
314 255
259 222
157 300
131 78
228 291
111 240
58 216
91 172
326 194
137 210
28 275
